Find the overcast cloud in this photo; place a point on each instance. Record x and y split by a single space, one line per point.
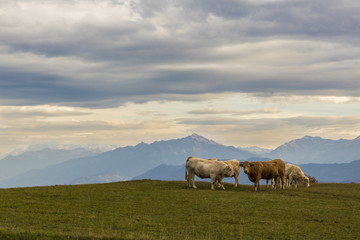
105 54
111 51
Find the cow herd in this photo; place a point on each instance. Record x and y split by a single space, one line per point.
279 173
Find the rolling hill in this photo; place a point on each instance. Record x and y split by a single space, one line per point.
168 210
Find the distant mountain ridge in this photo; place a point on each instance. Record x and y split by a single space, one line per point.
256 150
15 165
99 148
318 150
127 162
336 172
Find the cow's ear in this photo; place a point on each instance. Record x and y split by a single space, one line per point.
241 164
251 164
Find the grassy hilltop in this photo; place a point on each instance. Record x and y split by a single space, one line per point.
167 210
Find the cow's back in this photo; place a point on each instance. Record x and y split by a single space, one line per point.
289 168
299 172
272 168
280 165
296 171
203 167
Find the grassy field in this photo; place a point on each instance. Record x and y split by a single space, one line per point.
167 210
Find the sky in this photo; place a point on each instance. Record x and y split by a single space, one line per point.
243 73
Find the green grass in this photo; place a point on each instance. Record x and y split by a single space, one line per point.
167 210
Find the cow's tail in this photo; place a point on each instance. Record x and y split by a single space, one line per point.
186 172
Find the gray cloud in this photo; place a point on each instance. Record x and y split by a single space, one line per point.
9 113
211 111
273 132
261 124
101 54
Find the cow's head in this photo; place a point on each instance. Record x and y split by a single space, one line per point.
306 181
229 171
247 166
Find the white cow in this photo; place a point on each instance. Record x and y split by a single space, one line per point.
294 174
216 170
236 166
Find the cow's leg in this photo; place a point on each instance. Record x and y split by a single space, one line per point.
279 182
236 179
187 175
257 185
273 183
221 184
283 181
290 181
192 178
193 181
188 178
213 181
218 183
267 183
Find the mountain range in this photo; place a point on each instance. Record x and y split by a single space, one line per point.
318 150
165 160
125 162
14 165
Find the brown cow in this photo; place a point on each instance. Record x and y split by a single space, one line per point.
265 170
